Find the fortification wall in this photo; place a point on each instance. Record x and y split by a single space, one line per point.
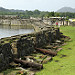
22 45
15 22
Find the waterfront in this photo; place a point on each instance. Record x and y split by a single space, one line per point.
7 31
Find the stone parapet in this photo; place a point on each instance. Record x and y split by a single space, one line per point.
21 45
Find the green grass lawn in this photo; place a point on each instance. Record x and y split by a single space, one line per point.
63 65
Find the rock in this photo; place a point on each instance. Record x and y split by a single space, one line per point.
13 65
55 47
48 47
64 44
59 49
46 60
29 60
58 41
38 60
31 73
31 57
21 73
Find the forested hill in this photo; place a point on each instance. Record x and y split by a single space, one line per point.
67 9
3 9
10 10
23 13
36 13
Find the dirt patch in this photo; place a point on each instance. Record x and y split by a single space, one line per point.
61 66
59 69
56 60
70 48
63 56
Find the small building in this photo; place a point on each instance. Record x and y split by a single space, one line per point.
54 20
72 21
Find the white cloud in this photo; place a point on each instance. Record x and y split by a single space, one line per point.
49 5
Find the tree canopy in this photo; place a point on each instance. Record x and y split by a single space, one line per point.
37 13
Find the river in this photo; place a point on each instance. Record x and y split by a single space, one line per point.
7 31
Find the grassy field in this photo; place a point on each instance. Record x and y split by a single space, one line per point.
64 62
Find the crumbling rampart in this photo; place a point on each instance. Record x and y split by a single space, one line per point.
21 45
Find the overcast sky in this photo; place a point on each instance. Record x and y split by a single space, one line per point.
43 5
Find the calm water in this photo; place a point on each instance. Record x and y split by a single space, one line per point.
7 31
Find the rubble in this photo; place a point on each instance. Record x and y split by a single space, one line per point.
46 42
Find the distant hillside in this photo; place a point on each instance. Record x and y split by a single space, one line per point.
3 9
66 9
10 10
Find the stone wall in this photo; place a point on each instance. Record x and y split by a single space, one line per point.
14 22
61 22
29 22
22 45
